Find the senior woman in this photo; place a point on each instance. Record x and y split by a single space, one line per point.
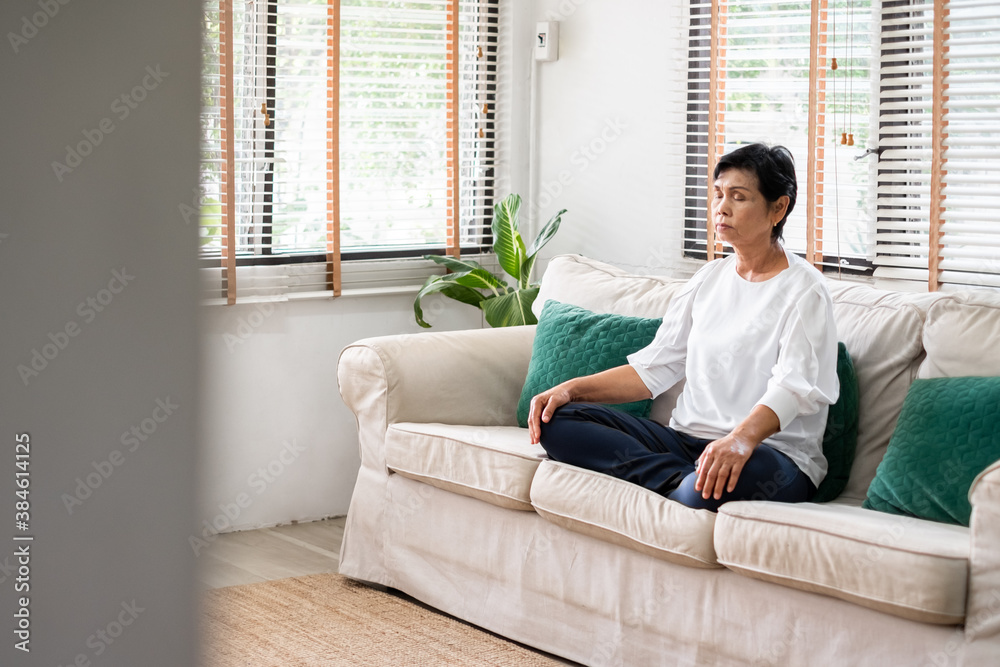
754 336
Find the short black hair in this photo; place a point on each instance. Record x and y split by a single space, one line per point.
774 168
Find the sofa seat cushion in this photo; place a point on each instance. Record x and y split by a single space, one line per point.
491 463
623 513
898 565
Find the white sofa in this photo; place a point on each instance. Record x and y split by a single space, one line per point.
454 507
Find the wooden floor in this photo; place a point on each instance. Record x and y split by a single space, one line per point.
276 553
272 553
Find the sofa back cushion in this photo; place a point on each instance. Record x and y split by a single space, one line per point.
603 288
961 335
882 331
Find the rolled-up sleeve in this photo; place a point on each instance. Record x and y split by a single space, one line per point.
804 378
660 365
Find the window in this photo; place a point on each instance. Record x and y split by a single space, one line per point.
343 129
896 146
939 126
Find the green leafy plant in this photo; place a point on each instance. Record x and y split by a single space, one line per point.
503 305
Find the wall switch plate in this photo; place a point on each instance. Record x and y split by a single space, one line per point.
547 41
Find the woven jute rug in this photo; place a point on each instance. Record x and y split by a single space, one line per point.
327 619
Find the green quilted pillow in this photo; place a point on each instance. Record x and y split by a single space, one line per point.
948 432
571 341
841 437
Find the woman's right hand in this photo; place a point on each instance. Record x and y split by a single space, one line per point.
615 385
542 407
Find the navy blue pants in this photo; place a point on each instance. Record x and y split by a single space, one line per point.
661 459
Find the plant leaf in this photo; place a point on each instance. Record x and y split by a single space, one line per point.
469 273
450 289
479 278
544 236
529 264
462 293
507 242
511 309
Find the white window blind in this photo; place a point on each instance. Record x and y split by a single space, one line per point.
699 65
359 128
394 123
766 73
971 253
971 220
296 140
844 201
906 121
938 177
939 174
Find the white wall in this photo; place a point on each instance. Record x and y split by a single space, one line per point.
605 149
270 386
589 134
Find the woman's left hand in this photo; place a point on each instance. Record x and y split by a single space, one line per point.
720 465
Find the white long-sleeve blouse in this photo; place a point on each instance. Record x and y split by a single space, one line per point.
741 344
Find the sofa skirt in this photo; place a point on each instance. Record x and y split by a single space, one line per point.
518 575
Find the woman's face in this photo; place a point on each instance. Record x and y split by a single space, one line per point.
741 215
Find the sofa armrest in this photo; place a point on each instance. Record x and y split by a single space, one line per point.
471 377
982 619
